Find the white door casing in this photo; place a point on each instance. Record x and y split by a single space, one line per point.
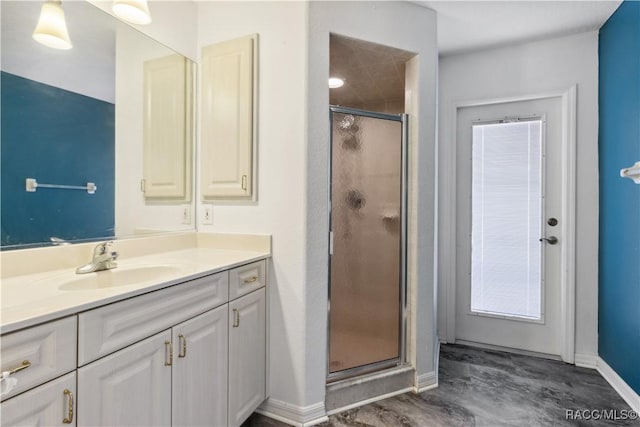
565 127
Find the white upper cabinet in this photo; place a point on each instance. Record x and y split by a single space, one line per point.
167 134
229 83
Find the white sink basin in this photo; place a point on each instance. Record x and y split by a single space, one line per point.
120 276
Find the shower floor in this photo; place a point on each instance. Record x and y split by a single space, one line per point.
352 349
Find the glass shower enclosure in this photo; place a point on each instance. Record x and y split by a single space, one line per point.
367 283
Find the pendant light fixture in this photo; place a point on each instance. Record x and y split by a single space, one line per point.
133 11
51 30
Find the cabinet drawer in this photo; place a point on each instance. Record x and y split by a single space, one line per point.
47 405
246 279
49 348
115 326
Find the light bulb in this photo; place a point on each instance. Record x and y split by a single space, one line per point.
335 82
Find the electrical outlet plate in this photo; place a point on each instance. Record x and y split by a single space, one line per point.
186 214
207 215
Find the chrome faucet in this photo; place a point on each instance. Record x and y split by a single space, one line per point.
103 259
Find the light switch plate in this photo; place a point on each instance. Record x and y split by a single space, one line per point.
207 215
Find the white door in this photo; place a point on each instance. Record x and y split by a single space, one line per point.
247 367
200 370
509 196
131 387
51 404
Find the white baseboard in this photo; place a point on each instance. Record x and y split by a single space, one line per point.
586 360
371 400
429 380
624 390
426 382
299 416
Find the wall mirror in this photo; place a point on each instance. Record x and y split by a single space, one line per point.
114 111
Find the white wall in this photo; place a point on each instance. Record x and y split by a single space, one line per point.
412 28
528 69
293 166
279 210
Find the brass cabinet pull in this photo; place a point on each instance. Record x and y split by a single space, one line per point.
236 319
169 344
69 418
244 182
25 364
183 350
251 279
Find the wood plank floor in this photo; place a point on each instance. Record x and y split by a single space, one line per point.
489 388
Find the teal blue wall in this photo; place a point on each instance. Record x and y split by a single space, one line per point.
56 137
619 147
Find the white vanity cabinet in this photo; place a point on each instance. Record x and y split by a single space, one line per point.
247 363
177 377
191 354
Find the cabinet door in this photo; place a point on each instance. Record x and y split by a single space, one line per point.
246 355
228 85
200 370
131 387
167 134
51 404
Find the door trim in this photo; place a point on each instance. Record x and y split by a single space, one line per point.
448 224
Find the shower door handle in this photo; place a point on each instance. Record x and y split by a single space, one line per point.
331 243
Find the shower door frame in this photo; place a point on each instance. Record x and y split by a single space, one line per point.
401 359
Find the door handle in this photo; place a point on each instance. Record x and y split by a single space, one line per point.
552 240
182 340
69 418
236 318
168 346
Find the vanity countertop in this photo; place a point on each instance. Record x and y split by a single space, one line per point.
30 299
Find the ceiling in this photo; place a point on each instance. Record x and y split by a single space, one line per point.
374 74
468 25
